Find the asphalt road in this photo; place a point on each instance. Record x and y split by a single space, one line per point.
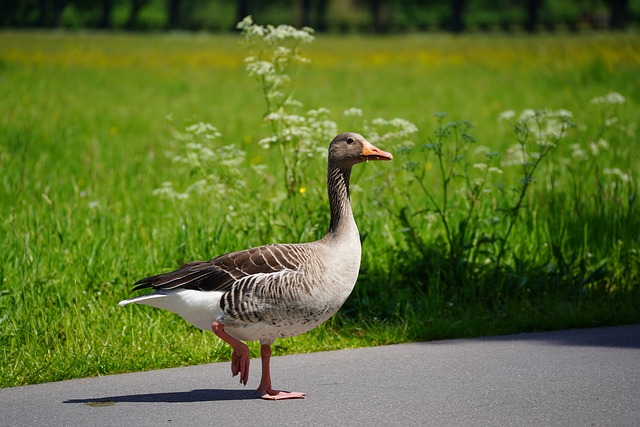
585 377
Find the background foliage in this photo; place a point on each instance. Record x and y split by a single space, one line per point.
379 16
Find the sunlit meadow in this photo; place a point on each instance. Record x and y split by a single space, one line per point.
511 206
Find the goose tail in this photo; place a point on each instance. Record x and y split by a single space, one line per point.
196 307
154 300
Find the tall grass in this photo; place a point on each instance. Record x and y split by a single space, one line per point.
85 142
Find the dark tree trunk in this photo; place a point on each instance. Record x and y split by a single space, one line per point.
304 13
457 12
321 15
243 8
134 10
42 13
379 16
50 12
619 12
533 15
173 13
105 14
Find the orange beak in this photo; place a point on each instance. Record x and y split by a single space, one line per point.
371 152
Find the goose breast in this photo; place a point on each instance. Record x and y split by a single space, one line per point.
291 302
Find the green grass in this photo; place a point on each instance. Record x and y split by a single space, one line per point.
84 142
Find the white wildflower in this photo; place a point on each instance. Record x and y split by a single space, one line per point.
198 187
166 190
294 119
404 127
481 149
546 127
277 80
356 112
260 68
515 156
245 23
207 154
230 155
527 114
300 58
379 121
480 166
282 52
494 169
204 129
266 142
275 95
624 177
610 98
319 112
506 115
406 144
287 32
382 131
274 117
563 114
545 143
578 153
260 168
295 133
324 129
554 129
611 121
293 103
615 98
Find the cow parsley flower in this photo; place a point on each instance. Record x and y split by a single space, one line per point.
260 68
618 173
506 115
354 112
526 115
610 98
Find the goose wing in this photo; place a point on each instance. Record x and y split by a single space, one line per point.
219 274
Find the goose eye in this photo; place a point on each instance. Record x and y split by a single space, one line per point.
350 140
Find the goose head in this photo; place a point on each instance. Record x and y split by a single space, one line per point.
348 149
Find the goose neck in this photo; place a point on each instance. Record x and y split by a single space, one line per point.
339 201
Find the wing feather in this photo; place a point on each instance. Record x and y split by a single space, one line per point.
220 274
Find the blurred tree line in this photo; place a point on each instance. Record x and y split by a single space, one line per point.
376 16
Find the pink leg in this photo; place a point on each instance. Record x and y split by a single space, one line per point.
239 357
265 390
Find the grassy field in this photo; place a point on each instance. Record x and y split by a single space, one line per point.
85 140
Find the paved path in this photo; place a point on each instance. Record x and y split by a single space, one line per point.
586 377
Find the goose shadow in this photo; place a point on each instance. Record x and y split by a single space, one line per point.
192 396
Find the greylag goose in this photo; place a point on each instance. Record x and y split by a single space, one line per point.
277 290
